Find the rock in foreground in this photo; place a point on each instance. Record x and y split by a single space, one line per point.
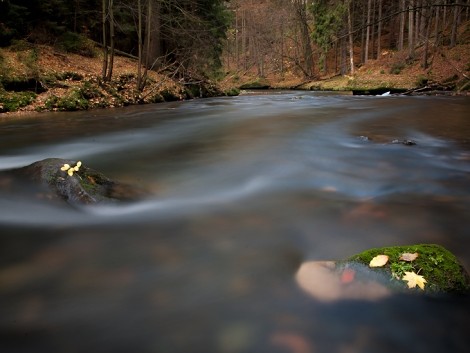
380 272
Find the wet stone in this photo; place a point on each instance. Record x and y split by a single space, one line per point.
85 187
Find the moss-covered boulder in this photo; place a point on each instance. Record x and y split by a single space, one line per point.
427 269
259 83
440 269
76 183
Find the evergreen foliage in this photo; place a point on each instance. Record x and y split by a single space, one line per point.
329 18
190 33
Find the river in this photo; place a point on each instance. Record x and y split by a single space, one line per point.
241 192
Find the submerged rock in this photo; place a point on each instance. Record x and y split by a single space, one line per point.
405 142
84 187
424 268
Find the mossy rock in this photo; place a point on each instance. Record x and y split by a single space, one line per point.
256 84
231 92
169 96
354 279
441 269
85 187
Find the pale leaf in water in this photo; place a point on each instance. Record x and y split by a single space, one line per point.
406 256
378 261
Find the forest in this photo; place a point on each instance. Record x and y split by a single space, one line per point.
232 42
319 36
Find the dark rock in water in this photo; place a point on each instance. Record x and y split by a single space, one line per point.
424 268
84 186
404 142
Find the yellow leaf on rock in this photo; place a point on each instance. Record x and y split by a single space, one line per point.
414 280
65 167
406 256
378 261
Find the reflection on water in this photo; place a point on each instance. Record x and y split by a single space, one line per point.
241 192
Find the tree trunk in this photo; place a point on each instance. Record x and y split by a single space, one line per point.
436 27
426 41
455 24
416 24
139 45
237 50
351 39
148 32
111 41
379 31
372 29
411 45
301 12
153 52
366 49
282 49
244 40
105 41
402 25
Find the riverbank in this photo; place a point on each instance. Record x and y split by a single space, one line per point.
447 72
37 78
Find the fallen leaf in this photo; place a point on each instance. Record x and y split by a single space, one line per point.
414 280
77 167
406 256
378 261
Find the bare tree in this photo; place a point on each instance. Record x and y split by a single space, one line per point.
111 40
301 14
104 13
455 23
402 25
368 21
351 38
139 45
379 30
411 45
108 31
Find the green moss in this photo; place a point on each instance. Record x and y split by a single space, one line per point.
73 101
437 265
259 83
232 92
12 101
156 98
193 91
397 68
169 96
421 81
90 90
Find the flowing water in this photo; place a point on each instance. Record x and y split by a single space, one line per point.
241 192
